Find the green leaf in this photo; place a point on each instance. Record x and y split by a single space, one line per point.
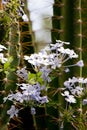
31 78
7 64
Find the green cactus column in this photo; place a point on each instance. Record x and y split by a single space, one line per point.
13 52
57 18
57 34
74 24
68 25
73 29
83 35
11 65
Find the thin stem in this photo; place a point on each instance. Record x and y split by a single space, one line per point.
80 55
19 45
35 124
80 30
62 125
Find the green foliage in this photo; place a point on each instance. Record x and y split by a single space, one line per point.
33 78
7 64
4 26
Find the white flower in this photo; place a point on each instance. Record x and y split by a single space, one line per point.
76 85
43 100
13 111
80 63
25 18
2 58
71 53
71 82
18 97
9 97
33 111
85 81
69 98
2 47
80 80
77 91
32 93
26 57
67 70
59 41
66 93
84 102
53 56
68 52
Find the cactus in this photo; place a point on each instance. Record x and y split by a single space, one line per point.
68 24
10 67
11 78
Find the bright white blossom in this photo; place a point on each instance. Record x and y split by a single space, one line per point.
58 44
66 93
68 97
25 18
71 54
2 58
2 48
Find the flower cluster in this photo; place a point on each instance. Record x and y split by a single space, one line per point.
53 56
29 94
76 87
48 63
50 60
